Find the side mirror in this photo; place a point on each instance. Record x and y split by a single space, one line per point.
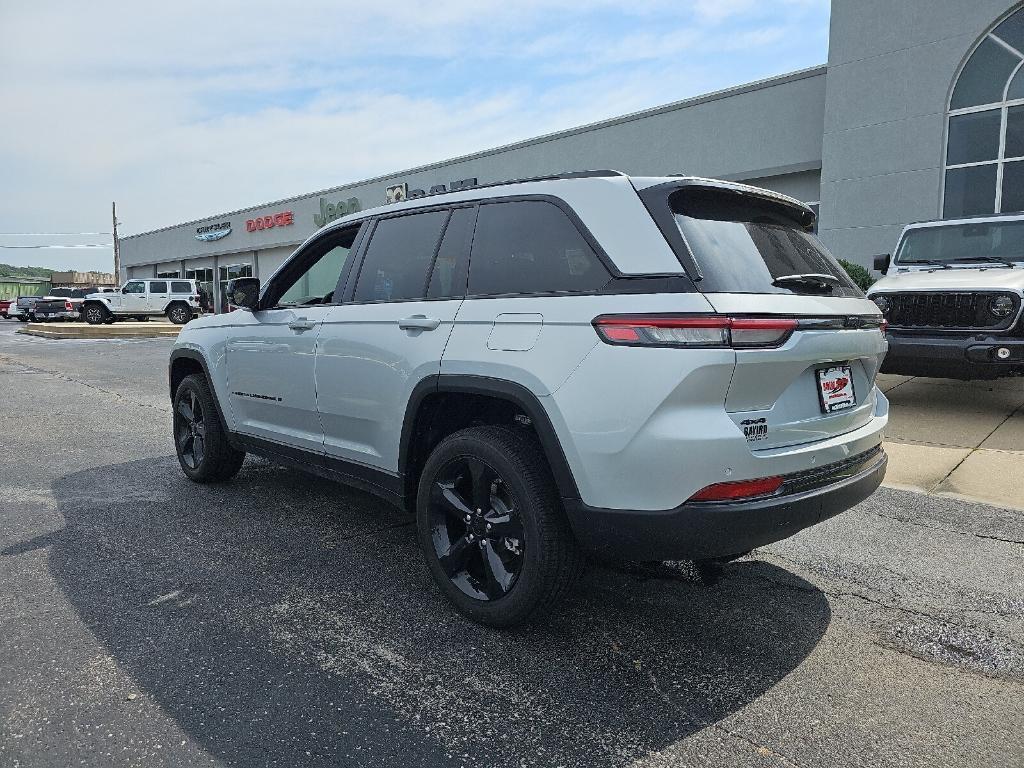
882 262
244 292
125 289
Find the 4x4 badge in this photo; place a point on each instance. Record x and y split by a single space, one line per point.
755 429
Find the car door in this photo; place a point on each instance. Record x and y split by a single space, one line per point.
391 331
131 300
156 297
271 352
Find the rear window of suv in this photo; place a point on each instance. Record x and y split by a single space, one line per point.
746 244
179 286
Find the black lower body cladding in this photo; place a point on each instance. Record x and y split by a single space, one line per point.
707 530
975 356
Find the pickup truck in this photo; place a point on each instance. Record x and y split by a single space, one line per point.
22 308
53 308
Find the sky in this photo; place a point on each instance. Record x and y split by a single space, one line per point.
181 110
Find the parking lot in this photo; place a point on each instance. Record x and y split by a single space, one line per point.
284 620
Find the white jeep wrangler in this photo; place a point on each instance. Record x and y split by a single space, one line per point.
177 300
952 296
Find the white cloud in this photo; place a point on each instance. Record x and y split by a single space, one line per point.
179 110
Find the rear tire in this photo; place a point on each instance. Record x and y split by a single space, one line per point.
22 319
203 450
94 314
514 559
179 314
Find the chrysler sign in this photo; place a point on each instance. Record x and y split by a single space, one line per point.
213 232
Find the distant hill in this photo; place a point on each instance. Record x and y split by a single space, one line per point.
7 270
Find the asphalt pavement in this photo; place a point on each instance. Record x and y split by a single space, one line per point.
284 620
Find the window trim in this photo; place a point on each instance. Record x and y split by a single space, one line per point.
300 258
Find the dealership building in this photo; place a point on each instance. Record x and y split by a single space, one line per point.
918 115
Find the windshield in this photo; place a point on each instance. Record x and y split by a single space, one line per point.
745 244
975 241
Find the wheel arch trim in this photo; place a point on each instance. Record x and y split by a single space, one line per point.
184 353
501 389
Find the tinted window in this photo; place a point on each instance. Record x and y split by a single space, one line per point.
973 137
63 292
531 247
158 286
970 190
984 76
136 286
312 277
745 244
181 287
398 257
454 245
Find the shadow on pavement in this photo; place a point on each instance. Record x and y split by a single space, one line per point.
280 619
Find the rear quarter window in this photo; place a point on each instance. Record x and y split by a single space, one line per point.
531 246
181 287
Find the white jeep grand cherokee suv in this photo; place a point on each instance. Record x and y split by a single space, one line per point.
174 298
642 368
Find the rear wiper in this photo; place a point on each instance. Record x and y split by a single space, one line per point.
817 279
934 262
988 259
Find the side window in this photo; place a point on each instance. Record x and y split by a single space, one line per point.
158 286
454 245
398 257
181 286
135 286
531 247
313 275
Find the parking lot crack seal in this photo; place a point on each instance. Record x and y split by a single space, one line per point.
949 530
72 380
761 748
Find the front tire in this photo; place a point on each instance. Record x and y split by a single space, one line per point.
492 528
94 314
203 450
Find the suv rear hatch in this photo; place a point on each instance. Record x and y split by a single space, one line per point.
754 254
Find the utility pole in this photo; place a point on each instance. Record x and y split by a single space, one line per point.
117 246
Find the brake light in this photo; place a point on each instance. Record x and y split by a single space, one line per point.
694 330
739 489
68 306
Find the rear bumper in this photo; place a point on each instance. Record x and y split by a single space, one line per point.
971 357
703 530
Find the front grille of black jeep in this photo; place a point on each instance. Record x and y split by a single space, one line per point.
952 310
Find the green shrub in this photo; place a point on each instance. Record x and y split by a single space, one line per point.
858 274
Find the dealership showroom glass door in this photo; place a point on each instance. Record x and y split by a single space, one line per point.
227 273
204 278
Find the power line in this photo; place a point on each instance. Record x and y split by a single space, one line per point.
79 245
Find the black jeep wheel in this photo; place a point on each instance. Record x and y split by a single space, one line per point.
492 529
179 314
94 314
204 453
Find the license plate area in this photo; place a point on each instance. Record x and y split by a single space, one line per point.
835 388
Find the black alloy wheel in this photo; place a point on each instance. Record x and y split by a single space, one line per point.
204 451
190 430
475 529
492 528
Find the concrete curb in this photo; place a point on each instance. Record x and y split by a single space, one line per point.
113 331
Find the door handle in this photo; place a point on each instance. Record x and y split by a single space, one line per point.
301 324
419 323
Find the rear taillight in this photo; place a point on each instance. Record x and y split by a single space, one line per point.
68 306
739 489
694 330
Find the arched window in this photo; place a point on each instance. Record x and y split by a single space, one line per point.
985 136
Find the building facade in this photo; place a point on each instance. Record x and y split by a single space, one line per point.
918 114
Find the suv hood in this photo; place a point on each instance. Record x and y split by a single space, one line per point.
955 279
